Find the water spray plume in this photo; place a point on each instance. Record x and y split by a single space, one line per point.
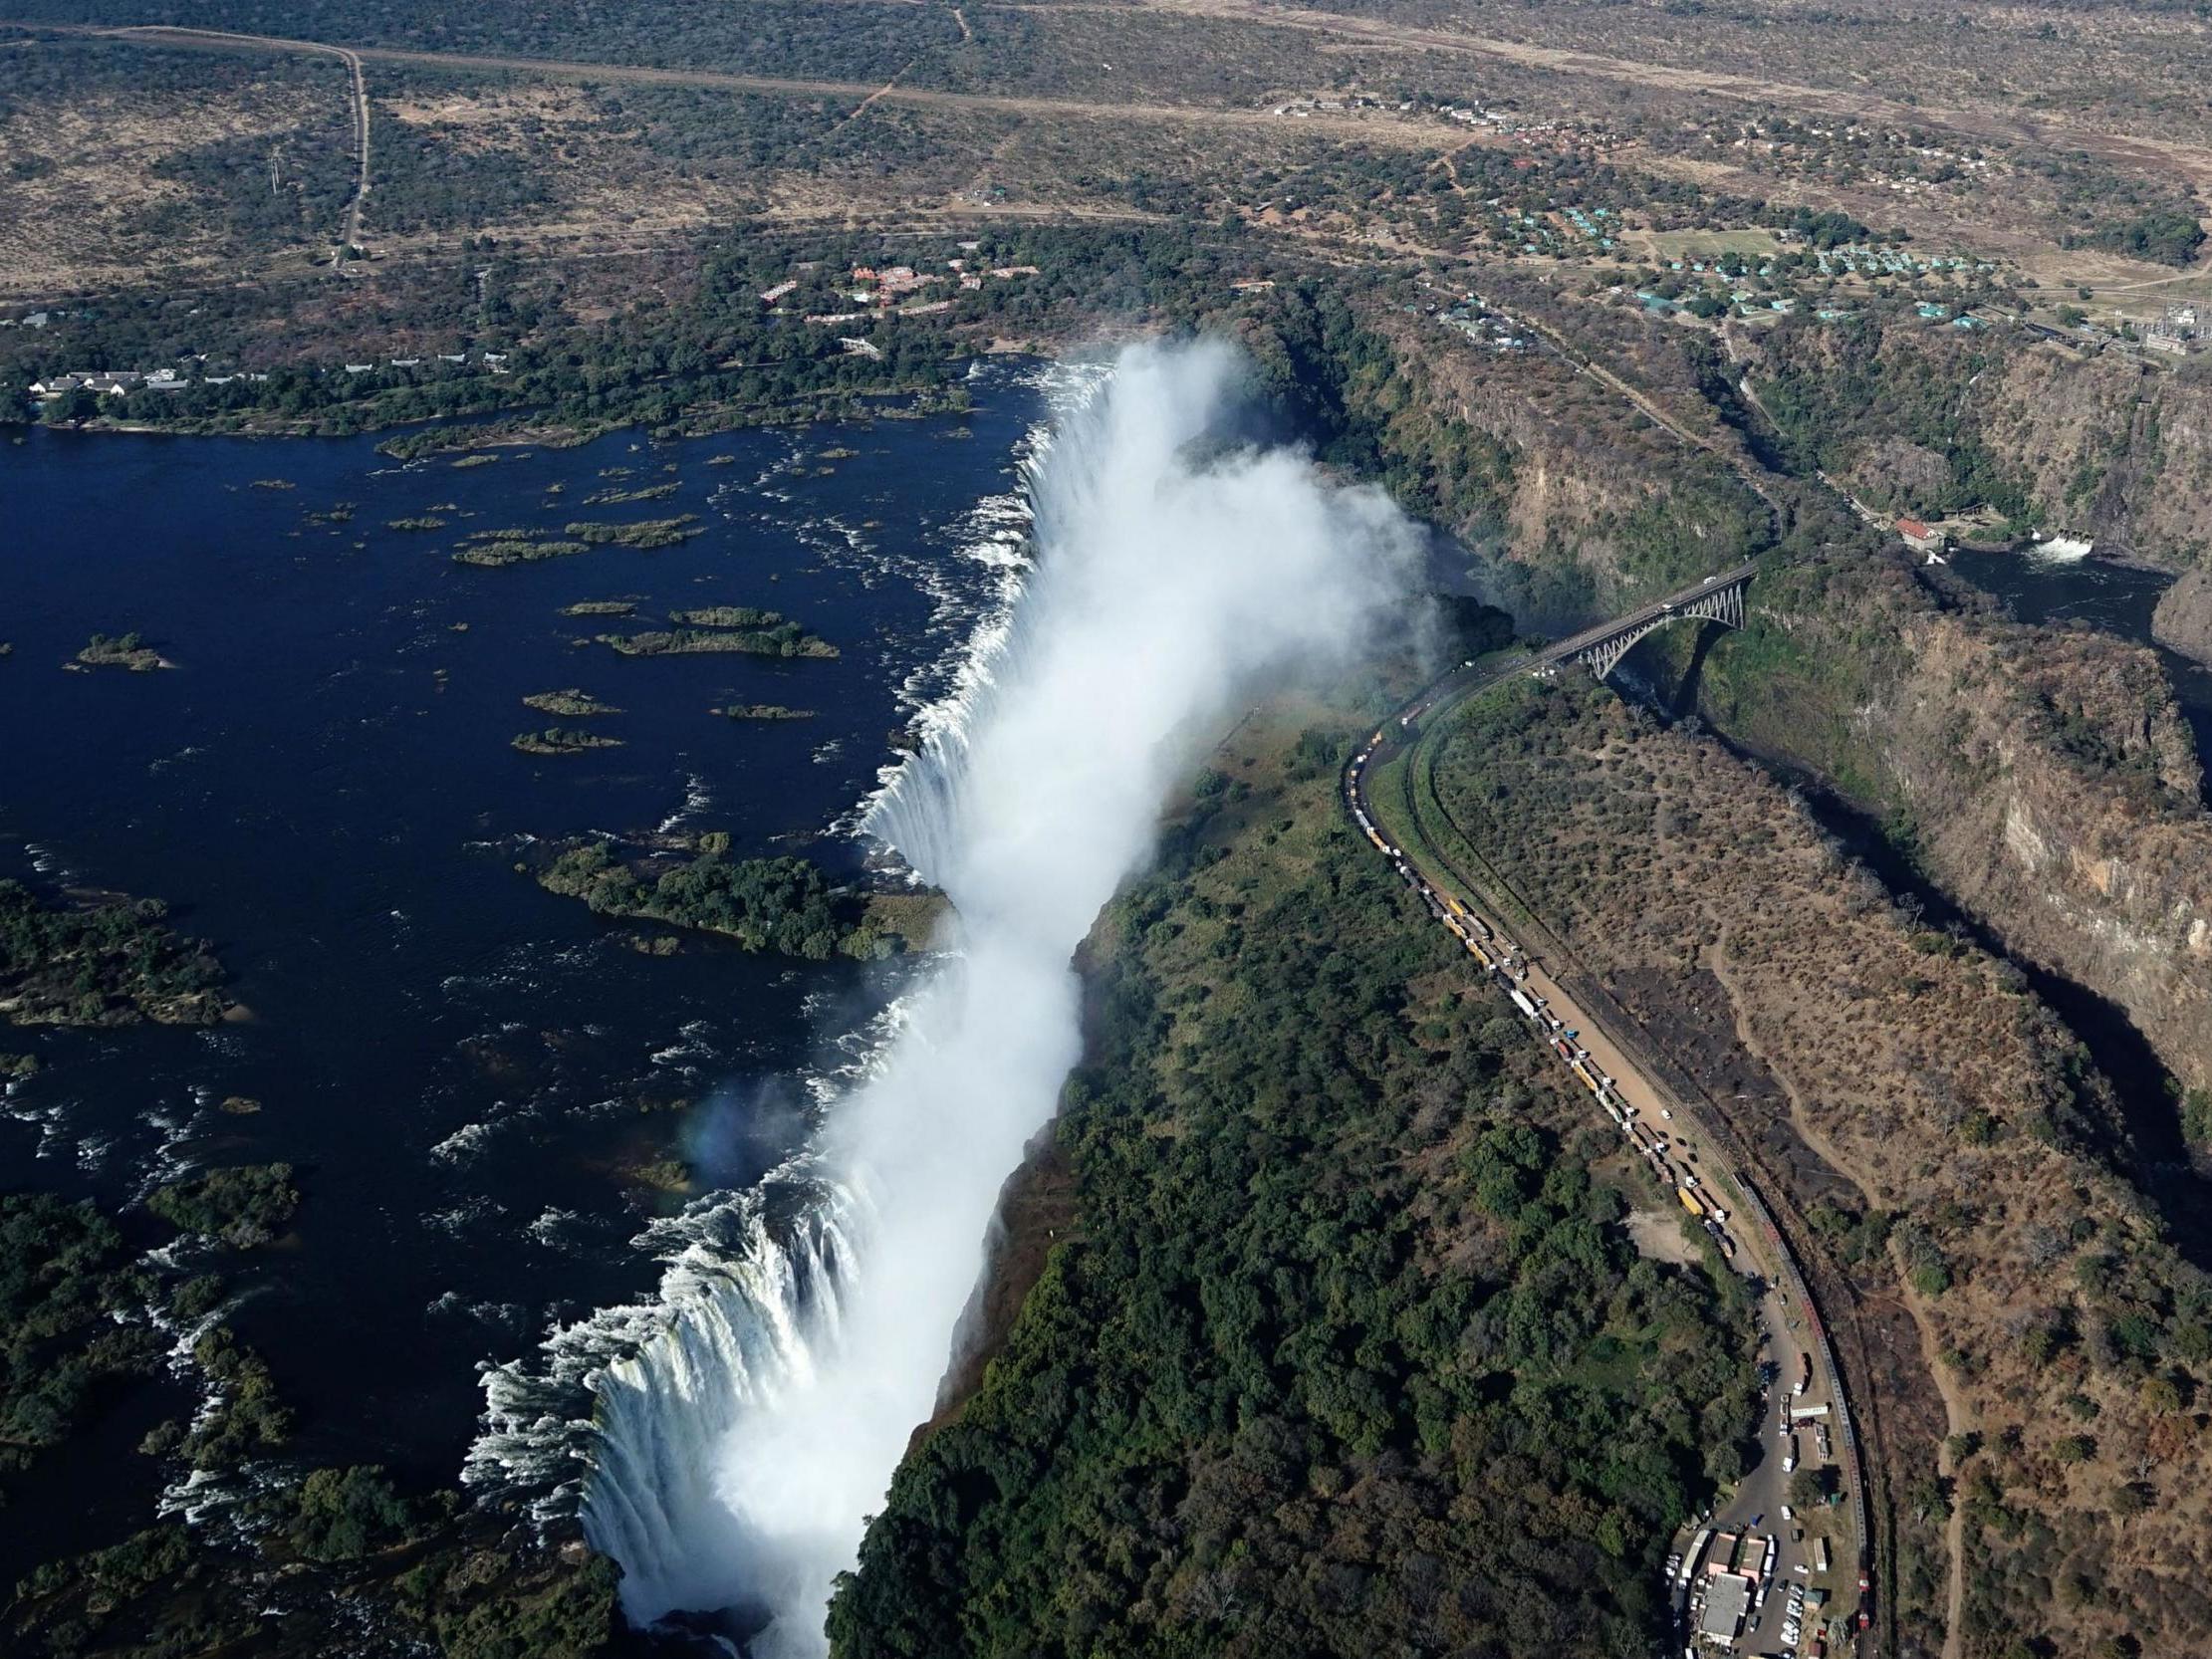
1175 580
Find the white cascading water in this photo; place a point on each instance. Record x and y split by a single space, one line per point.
740 1446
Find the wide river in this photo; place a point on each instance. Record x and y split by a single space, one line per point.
467 1070
462 1065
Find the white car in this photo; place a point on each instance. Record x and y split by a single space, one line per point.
1787 1513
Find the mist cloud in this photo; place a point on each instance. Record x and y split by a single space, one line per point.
1175 582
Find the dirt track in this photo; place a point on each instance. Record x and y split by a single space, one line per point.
1379 129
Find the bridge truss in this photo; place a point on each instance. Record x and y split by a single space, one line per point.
1721 602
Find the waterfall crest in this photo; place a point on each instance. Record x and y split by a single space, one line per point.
736 1453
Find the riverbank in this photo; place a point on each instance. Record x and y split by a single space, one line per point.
1038 1212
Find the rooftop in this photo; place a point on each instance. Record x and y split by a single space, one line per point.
1727 1600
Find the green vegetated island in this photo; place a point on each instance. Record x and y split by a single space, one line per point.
495 547
86 1322
121 651
1325 1336
76 1308
724 627
784 905
562 739
101 961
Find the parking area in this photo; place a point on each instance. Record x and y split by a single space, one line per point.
1773 1570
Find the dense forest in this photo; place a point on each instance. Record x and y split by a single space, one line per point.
1346 1352
2168 235
782 906
718 360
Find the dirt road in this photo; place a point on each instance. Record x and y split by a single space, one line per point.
1380 128
219 39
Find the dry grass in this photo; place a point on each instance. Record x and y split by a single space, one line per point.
96 210
1948 1095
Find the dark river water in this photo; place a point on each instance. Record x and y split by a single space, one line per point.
2115 597
460 1064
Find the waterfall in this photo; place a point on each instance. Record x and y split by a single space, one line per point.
751 1322
755 1416
913 813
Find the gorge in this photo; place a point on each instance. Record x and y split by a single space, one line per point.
1178 573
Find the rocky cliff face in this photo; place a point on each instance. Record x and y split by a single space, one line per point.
1898 1073
1925 419
1592 506
2051 782
2184 620
2054 788
2109 446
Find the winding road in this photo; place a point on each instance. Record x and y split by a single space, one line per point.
1623 1081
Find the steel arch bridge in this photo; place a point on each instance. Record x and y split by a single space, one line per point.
1718 599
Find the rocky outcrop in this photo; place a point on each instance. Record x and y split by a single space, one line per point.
1925 419
1891 1058
2051 784
2052 787
2184 620
2044 776
2109 447
1586 504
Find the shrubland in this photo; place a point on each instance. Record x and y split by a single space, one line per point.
1966 1157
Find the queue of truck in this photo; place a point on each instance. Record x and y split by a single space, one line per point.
1802 1622
1501 961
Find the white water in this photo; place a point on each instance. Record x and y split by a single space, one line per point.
740 1446
2061 550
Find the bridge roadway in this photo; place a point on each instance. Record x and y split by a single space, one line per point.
1471 677
1639 622
1679 1148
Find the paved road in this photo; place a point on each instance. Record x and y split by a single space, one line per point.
1676 1146
1654 611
